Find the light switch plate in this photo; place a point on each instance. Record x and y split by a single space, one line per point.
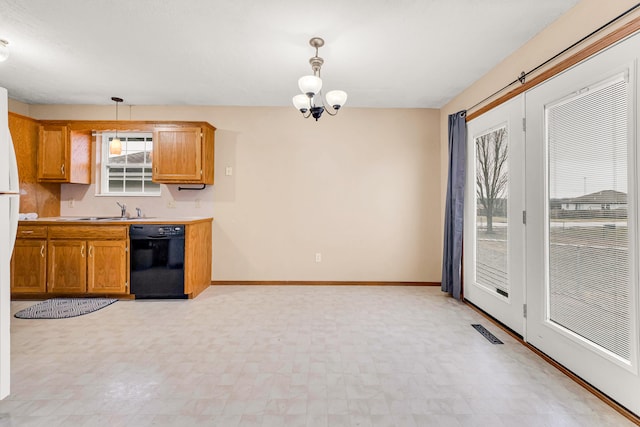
228 171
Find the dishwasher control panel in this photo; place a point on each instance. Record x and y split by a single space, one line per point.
137 231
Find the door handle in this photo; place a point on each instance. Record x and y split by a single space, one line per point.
42 251
90 251
82 251
62 169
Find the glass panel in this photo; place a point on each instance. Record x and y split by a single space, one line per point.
151 187
589 288
133 186
116 186
130 171
491 210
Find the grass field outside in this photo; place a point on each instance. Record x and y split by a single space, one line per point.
589 276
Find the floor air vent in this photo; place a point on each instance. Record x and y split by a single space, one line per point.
488 335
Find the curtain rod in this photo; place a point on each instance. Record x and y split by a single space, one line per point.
522 77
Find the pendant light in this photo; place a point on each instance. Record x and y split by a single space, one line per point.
4 50
115 146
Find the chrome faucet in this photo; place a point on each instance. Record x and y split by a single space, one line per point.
123 209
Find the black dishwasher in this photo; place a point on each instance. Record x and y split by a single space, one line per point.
157 261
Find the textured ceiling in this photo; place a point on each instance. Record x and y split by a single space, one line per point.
383 53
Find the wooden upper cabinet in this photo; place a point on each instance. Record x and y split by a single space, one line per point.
52 153
183 155
64 155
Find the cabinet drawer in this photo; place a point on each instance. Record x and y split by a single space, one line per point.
88 232
32 232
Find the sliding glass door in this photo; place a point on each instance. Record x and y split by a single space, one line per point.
494 202
582 230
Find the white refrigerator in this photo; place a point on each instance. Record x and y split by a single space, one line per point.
9 203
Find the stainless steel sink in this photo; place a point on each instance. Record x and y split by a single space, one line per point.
103 218
88 218
119 218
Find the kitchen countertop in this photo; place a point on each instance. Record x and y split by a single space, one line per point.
103 220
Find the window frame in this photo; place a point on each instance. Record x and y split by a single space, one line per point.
103 189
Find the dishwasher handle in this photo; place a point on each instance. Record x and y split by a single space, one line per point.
148 237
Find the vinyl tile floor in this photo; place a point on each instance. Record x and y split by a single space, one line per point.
286 356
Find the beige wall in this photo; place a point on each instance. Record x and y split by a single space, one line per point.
579 21
365 188
362 188
18 107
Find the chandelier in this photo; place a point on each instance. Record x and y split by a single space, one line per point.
310 102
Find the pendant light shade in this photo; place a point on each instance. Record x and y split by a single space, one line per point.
336 98
115 146
301 102
310 85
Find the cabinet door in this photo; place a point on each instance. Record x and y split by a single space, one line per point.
107 266
29 266
177 155
53 147
67 270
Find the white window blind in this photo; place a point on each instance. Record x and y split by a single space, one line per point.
589 283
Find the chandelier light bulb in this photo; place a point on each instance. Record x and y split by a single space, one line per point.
4 50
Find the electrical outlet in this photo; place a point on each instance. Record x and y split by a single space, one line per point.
171 204
318 257
198 203
72 203
228 171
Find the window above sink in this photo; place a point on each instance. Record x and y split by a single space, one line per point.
127 172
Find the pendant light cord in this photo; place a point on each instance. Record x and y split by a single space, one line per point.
522 77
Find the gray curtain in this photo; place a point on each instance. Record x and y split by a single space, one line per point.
454 211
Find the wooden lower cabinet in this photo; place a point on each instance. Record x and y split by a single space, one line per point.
107 267
29 266
93 259
67 271
197 258
94 266
70 260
